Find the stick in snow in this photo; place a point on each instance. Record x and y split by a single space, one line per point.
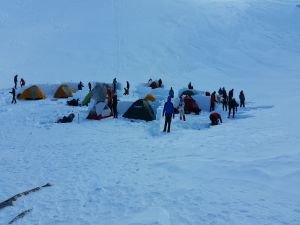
10 201
19 216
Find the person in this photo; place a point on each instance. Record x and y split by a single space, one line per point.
232 107
168 113
22 82
215 118
80 85
171 93
16 80
126 90
220 91
115 106
225 99
159 83
242 99
190 86
67 119
230 95
212 101
90 86
115 85
181 108
13 92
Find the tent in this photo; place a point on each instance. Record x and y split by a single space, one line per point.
141 110
99 92
32 93
64 91
87 99
150 97
99 111
190 105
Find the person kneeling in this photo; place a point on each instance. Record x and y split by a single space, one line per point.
215 118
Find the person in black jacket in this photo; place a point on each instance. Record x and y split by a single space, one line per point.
224 100
242 99
212 101
126 90
232 107
115 106
13 92
90 86
16 80
230 95
80 85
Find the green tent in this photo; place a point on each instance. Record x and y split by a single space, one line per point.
141 110
87 99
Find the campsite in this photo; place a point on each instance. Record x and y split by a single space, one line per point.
66 160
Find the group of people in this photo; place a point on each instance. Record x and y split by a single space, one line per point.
13 90
228 103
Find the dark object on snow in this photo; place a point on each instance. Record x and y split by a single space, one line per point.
90 86
73 102
190 86
171 93
115 106
80 85
242 99
207 93
16 80
159 83
67 119
114 84
19 216
232 104
215 118
212 101
13 92
10 201
140 110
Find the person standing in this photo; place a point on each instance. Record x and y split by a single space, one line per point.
115 106
230 95
171 93
16 80
13 92
181 108
224 100
212 101
190 87
90 86
159 83
115 85
168 113
242 99
232 107
80 85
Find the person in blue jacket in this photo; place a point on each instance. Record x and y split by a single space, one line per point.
168 113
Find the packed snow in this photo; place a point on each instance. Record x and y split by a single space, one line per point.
128 172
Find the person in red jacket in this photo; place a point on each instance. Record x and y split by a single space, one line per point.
215 118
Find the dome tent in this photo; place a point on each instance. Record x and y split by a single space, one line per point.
32 93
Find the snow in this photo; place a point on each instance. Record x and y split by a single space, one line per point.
118 171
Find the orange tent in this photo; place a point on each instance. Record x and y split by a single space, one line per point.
32 93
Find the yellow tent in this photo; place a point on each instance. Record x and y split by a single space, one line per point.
64 91
150 97
32 93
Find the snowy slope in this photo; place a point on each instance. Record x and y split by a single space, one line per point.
244 172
